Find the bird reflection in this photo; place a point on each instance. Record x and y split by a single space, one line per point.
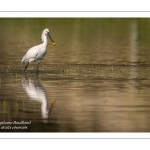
36 91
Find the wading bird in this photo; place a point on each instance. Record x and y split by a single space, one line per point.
37 53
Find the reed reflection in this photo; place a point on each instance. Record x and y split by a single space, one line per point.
36 91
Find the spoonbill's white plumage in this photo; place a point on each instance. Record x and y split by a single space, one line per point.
37 53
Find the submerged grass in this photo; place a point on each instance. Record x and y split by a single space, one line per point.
83 71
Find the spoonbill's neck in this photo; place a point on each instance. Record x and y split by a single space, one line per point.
45 40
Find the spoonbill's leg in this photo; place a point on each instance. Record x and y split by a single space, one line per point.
37 68
25 75
26 67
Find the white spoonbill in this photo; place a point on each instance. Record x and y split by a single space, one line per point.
37 53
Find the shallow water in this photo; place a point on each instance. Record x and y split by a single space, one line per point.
97 78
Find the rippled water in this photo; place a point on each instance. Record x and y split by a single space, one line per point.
97 78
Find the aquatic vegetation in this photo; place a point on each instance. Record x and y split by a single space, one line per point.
82 71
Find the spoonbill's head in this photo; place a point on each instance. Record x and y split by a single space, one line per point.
47 33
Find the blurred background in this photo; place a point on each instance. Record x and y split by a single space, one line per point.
79 40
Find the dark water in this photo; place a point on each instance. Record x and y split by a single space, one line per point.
96 79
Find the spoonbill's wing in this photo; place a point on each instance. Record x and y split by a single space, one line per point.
31 53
